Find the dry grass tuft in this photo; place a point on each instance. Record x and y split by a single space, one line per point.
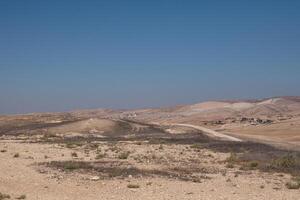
133 186
4 196
293 185
17 155
74 155
124 155
21 197
100 156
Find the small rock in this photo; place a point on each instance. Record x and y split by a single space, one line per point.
95 178
42 171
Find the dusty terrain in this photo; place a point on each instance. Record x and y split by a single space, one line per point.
212 150
275 120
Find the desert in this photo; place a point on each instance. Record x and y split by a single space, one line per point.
149 100
210 150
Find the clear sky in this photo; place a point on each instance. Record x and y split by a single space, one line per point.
60 55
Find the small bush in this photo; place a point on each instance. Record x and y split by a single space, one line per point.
21 197
50 135
17 155
297 179
253 164
124 155
100 156
230 165
133 186
72 144
293 185
70 165
3 151
249 166
115 149
4 196
98 151
196 146
284 162
232 158
74 155
92 146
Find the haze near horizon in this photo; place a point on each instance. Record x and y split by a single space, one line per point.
66 55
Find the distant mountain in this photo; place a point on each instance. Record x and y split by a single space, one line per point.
270 108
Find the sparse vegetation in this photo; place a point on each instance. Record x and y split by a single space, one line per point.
285 162
115 149
196 146
149 183
21 197
124 155
70 165
293 185
264 158
73 144
16 155
100 156
186 156
161 147
232 158
4 196
49 136
74 155
133 186
92 146
253 164
230 165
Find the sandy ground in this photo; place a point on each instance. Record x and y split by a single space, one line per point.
22 176
163 162
285 132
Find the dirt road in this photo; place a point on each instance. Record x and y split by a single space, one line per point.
212 133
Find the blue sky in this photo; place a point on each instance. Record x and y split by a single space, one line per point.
64 55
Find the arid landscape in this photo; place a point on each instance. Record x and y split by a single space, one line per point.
237 149
149 100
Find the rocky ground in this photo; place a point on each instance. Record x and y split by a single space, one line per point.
146 162
213 150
